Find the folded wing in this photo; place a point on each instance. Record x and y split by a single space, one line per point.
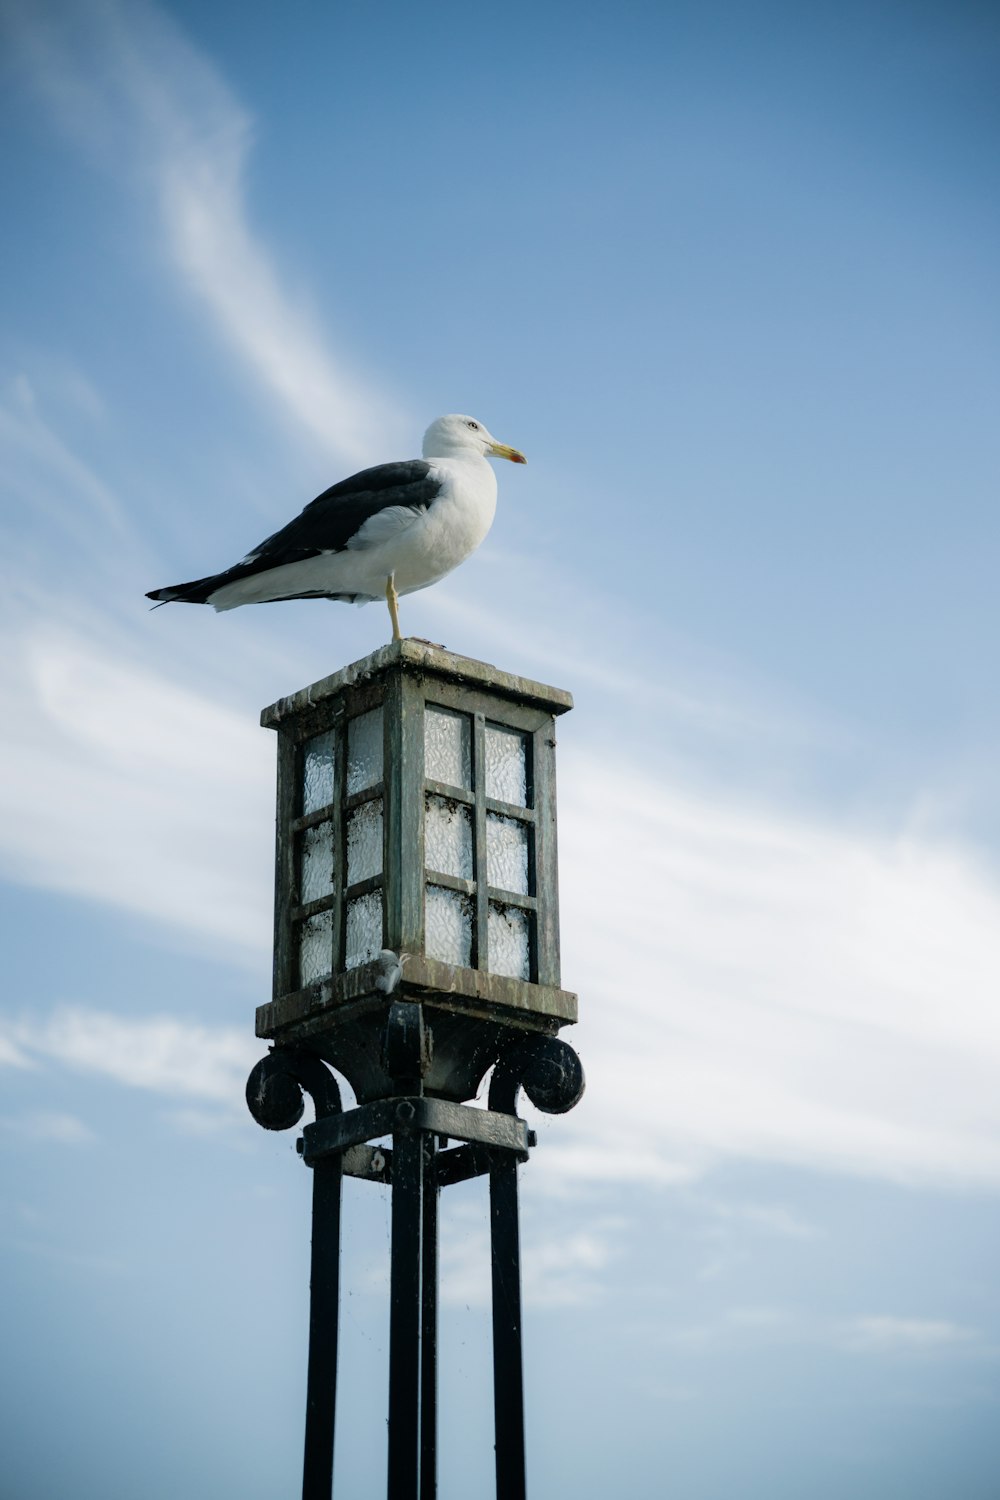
358 512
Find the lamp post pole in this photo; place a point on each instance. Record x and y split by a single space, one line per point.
416 949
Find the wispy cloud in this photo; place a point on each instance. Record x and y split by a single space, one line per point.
125 83
566 1270
559 1269
630 661
44 473
117 785
47 1127
768 986
770 1219
887 1335
874 1335
759 1317
12 1056
77 1260
160 1053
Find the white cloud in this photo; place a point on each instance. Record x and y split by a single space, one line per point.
761 985
766 1218
11 1056
891 1335
46 475
104 1265
47 1126
570 1160
565 1270
209 1124
160 1053
876 1335
125 82
557 1269
619 664
119 786
759 1318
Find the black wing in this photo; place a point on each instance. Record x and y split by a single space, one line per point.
327 524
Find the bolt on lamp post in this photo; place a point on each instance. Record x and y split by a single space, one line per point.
416 947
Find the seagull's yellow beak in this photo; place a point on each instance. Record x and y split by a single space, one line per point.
500 450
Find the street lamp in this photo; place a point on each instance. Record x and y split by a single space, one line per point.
416 946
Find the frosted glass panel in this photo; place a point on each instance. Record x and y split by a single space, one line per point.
448 837
364 841
316 948
449 926
364 929
317 772
508 941
506 853
316 854
448 747
506 777
364 751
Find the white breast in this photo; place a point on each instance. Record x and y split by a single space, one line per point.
448 532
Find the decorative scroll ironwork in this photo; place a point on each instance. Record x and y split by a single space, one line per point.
277 1087
547 1069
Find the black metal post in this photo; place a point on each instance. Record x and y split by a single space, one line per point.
429 1325
405 1313
508 1376
324 1300
276 1092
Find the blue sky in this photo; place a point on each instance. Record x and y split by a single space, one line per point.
728 275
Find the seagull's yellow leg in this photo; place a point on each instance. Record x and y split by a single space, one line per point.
392 599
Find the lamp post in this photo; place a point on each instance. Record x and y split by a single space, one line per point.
416 947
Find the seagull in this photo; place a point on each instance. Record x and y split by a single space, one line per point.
384 532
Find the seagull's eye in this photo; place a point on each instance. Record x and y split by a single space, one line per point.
473 425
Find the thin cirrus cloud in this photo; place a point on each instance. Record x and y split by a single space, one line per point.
49 478
46 1127
766 986
884 1336
164 805
887 1335
124 82
560 1270
162 1054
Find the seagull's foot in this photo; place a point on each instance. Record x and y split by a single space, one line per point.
422 640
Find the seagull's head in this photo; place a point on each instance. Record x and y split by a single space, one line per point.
454 435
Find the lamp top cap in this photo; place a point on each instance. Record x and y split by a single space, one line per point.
425 659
